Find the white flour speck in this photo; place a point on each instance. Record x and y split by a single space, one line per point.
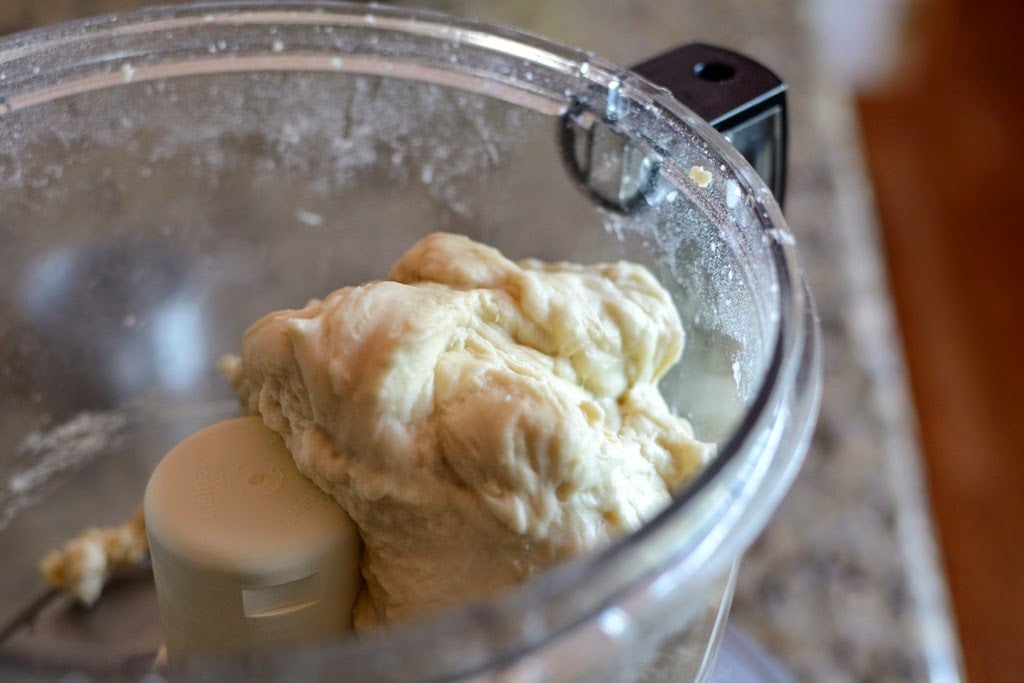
732 193
310 218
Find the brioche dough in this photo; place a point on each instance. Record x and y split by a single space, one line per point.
84 565
479 419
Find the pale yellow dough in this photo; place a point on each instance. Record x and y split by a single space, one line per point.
479 419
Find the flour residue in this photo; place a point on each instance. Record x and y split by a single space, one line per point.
44 455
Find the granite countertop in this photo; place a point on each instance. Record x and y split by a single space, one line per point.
844 583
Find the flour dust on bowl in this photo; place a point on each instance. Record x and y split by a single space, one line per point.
170 176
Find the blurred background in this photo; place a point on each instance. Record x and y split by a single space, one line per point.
943 140
929 94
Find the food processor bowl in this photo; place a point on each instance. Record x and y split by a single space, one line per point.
168 176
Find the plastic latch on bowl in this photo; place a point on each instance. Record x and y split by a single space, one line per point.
739 97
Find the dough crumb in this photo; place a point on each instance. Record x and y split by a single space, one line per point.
84 565
701 176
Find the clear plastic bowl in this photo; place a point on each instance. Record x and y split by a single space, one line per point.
170 175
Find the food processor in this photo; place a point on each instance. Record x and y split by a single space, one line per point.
170 175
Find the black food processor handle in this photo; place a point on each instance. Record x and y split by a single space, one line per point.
742 99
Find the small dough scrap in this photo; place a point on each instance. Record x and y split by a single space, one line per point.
84 564
701 176
478 418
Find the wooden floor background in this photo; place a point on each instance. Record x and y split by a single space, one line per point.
945 145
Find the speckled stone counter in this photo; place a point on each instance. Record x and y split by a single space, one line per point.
844 583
